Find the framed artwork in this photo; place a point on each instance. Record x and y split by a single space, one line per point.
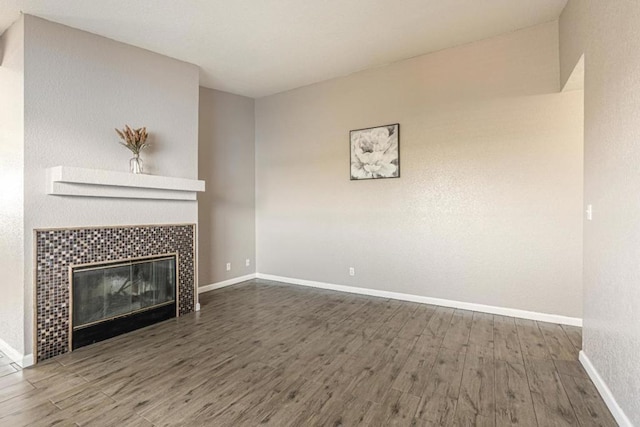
375 152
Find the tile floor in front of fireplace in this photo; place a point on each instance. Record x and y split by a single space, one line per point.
268 353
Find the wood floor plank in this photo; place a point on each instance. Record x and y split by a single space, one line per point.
417 322
397 409
370 356
267 353
437 327
12 379
589 407
43 371
391 328
558 343
550 401
365 314
476 402
570 367
331 396
27 416
531 339
413 376
114 415
439 399
514 404
482 330
575 335
262 392
352 412
213 395
457 336
12 389
402 412
284 407
79 408
374 383
7 369
506 343
148 390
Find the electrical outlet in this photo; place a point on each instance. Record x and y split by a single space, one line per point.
247 262
228 266
352 271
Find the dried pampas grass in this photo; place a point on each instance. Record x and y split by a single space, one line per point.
134 139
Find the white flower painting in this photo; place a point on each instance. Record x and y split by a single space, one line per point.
375 152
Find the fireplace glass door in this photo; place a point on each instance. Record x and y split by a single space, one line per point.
113 290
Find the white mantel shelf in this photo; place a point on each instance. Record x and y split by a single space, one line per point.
72 181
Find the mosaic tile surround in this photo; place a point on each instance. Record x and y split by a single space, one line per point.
58 249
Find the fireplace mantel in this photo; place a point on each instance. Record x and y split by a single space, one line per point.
73 181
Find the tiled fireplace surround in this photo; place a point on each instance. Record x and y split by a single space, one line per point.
59 249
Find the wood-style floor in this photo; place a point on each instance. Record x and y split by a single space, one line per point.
267 353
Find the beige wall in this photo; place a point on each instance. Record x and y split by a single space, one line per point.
11 194
572 37
488 207
609 35
226 211
78 87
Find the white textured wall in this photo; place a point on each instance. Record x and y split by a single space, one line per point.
226 211
11 192
488 207
609 35
80 86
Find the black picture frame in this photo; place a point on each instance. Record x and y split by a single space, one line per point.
374 152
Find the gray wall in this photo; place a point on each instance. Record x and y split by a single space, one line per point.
226 211
489 205
80 86
11 194
609 35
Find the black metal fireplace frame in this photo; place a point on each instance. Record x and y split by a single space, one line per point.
128 322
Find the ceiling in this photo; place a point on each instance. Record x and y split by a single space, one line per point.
260 47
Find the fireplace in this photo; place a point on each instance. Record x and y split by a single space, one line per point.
137 251
112 298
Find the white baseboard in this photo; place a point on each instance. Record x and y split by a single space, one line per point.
27 361
10 352
524 314
224 283
13 354
606 394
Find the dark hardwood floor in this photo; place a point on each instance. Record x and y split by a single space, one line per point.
268 353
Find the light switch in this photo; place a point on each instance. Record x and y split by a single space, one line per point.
589 212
